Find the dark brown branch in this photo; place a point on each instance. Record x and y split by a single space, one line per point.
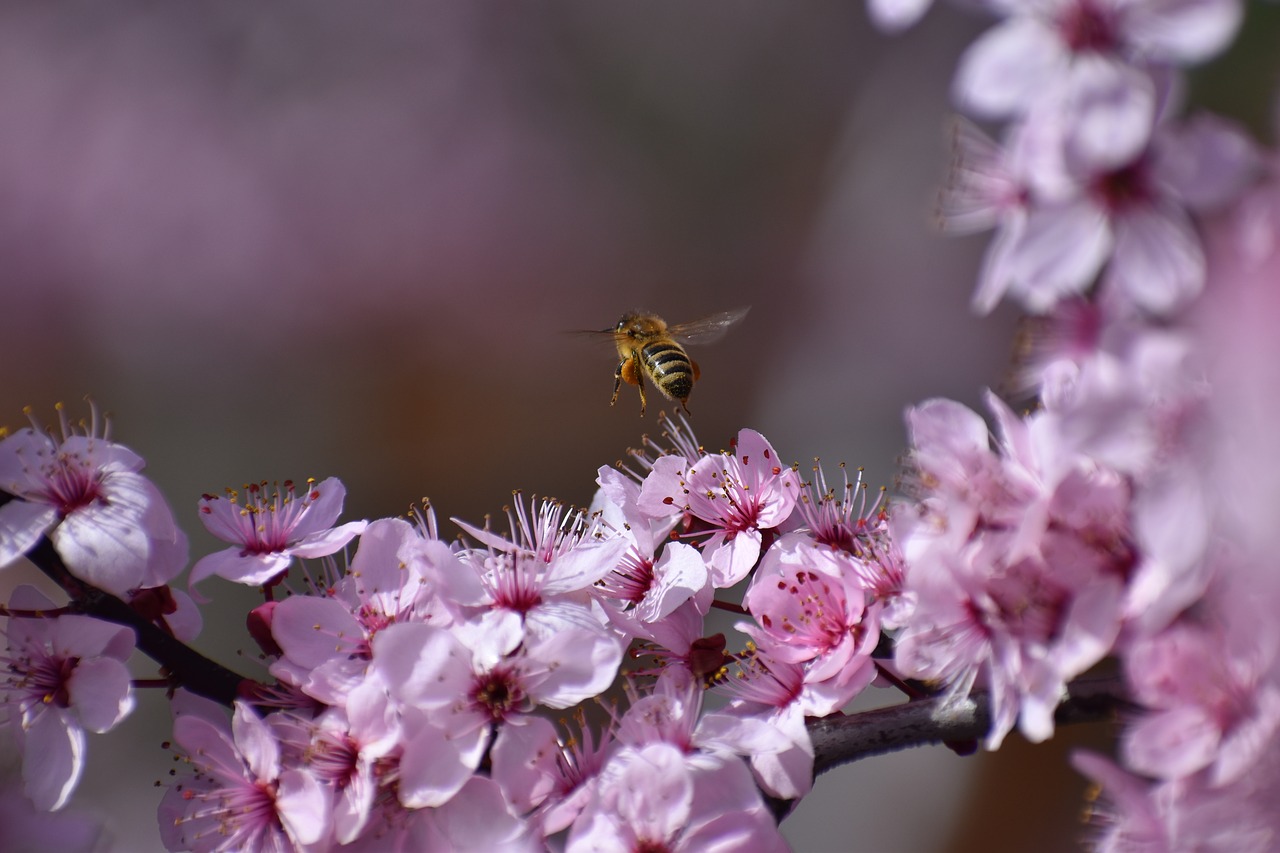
839 739
187 667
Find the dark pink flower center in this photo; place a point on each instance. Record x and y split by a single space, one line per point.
1087 29
499 693
1124 188
72 484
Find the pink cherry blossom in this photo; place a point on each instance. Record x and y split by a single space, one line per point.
1213 699
395 576
738 495
1018 562
461 695
1133 814
986 189
811 609
539 582
1079 64
343 749
652 585
62 677
653 798
270 529
108 523
241 796
548 777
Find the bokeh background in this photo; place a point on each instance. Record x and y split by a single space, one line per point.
322 239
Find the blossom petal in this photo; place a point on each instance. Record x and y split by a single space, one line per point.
53 759
101 693
234 565
1113 107
325 542
21 526
1158 262
302 804
1059 254
1182 31
312 630
893 16
1008 67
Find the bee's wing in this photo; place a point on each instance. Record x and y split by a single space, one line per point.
708 329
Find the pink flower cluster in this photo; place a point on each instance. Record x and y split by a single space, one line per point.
1100 523
416 688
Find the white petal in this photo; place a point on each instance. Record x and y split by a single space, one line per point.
893 16
1158 262
21 526
53 759
1008 67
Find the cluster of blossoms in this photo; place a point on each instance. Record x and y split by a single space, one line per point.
1102 523
413 686
422 692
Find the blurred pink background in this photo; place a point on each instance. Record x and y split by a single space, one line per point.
310 239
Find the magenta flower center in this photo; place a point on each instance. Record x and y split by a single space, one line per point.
498 693
45 681
1124 188
71 483
1086 28
631 580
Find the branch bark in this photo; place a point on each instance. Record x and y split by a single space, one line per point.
840 739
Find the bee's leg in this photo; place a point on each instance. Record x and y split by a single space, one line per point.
697 374
629 371
617 380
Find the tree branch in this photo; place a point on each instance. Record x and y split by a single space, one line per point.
189 668
839 739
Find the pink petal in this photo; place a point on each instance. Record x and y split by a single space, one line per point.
1008 67
101 693
1182 31
734 558
1113 107
1061 251
1158 261
1207 161
478 820
893 16
256 743
21 526
323 509
328 541
105 543
525 762
584 565
82 636
435 765
1173 743
234 565
423 666
312 630
996 275
53 759
582 664
302 804
679 574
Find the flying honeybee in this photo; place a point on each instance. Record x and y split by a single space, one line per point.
647 346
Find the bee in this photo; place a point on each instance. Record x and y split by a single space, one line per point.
647 346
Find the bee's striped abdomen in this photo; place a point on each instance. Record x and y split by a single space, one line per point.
669 367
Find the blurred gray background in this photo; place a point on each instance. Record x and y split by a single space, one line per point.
310 239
